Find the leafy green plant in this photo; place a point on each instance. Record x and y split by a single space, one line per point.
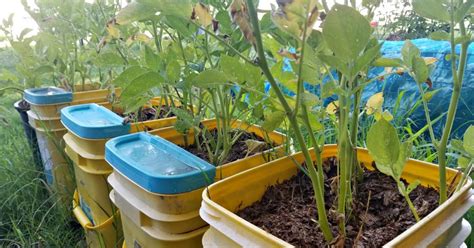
346 46
204 76
407 24
456 14
391 155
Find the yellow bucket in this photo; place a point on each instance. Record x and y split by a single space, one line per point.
56 166
143 236
232 168
80 97
173 214
242 190
107 234
91 171
177 213
47 123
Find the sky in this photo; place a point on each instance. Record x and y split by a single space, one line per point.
21 19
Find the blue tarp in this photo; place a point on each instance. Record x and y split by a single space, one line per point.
442 80
440 76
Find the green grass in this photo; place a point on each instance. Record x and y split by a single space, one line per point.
29 215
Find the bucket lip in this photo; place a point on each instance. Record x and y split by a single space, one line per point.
108 123
207 202
16 105
47 95
142 173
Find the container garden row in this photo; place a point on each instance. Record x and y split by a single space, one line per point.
340 202
89 126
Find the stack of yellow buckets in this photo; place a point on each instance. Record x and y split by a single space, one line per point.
44 117
89 127
157 186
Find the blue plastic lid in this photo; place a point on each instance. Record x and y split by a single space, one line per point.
91 121
47 95
158 165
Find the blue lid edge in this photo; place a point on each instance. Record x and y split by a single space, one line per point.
39 99
93 132
174 184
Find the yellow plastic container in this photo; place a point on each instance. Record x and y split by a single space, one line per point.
91 171
172 214
232 168
439 229
106 234
145 236
56 166
47 123
175 214
80 97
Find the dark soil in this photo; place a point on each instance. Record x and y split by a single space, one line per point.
146 114
288 210
238 150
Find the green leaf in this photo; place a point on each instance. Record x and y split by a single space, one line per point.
367 58
180 25
179 8
273 120
432 9
43 70
231 66
309 99
143 83
388 62
127 76
329 88
336 63
134 11
462 10
439 35
211 78
409 52
457 145
109 59
24 32
463 162
403 155
173 71
152 60
462 39
185 120
420 69
412 186
469 140
384 146
225 24
346 32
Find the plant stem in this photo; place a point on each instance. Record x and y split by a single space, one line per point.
319 197
453 104
427 116
225 43
402 189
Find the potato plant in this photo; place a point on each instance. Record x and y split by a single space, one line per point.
343 51
190 64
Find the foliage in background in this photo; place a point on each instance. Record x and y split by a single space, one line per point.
405 24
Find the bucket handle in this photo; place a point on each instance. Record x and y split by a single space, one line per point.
84 220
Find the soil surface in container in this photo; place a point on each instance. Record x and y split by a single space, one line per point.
238 150
147 114
288 210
